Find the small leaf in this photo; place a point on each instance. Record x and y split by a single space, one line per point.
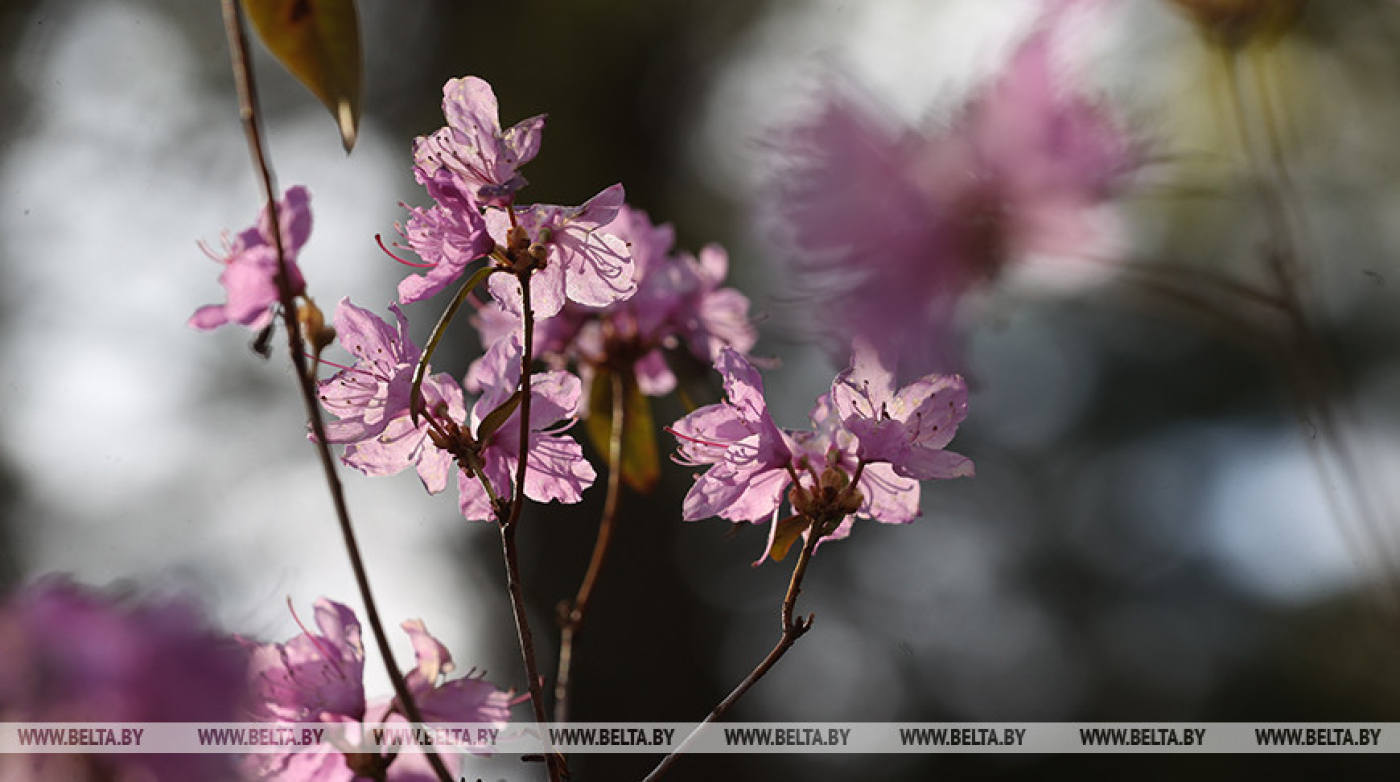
415 400
495 418
789 532
641 463
319 42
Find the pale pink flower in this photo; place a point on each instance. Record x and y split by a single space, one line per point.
582 263
447 236
908 428
250 266
473 147
679 303
371 400
748 455
555 469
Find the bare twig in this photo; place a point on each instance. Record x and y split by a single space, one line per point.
553 761
574 614
248 114
793 629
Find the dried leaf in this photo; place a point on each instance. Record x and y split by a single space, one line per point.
789 532
319 42
641 463
495 418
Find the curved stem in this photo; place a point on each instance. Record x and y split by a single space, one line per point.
554 762
578 610
248 114
793 629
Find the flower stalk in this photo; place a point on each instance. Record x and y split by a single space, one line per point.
248 115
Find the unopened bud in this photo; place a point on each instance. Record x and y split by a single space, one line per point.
313 326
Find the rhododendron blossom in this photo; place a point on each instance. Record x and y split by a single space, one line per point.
556 469
907 428
473 147
371 400
447 236
751 461
581 263
250 266
679 303
887 229
318 677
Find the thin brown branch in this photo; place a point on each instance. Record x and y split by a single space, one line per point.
554 762
248 114
793 629
573 617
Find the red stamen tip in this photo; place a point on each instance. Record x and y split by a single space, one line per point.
696 439
380 241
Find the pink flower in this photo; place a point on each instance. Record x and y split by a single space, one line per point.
854 438
447 236
889 229
749 456
473 147
319 678
828 449
679 303
250 266
556 469
583 264
907 429
371 399
69 653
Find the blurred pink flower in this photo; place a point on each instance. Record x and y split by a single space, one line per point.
69 653
250 266
887 229
319 678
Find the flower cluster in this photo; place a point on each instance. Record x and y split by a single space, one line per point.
470 168
318 677
679 303
868 448
888 229
383 435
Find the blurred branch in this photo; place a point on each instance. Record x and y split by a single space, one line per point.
572 615
248 114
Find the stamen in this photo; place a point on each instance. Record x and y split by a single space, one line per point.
378 239
335 663
695 439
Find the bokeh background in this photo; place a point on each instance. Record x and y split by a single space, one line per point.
1147 537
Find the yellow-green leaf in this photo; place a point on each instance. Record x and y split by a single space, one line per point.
319 42
495 418
789 532
641 464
